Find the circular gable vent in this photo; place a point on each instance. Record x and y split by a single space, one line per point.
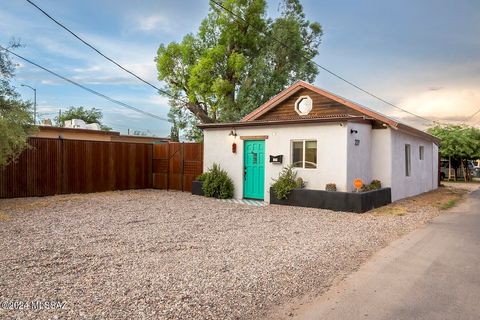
303 105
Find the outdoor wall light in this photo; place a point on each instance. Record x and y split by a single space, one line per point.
233 133
353 131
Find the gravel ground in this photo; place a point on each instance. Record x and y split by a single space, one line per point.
154 254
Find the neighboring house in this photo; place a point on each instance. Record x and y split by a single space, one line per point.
92 135
328 139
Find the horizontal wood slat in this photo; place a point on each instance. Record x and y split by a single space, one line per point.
322 107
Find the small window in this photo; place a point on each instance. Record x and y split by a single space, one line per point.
421 152
304 154
408 165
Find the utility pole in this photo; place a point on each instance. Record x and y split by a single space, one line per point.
34 102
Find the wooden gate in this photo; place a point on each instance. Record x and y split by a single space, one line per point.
176 165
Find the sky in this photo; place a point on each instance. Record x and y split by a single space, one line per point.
421 55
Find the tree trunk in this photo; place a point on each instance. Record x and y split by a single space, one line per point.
463 170
449 168
198 111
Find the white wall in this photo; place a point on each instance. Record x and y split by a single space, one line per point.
381 165
331 153
423 172
359 157
380 155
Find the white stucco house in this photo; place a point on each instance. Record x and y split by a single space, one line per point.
328 139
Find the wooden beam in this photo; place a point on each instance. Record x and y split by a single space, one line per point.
253 137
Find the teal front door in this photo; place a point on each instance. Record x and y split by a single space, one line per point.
254 169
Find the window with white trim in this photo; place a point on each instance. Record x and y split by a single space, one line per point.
304 154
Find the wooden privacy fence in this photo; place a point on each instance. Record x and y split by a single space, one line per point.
59 166
176 165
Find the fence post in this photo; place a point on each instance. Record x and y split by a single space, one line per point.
168 165
62 166
183 166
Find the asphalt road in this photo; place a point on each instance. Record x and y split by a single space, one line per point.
432 273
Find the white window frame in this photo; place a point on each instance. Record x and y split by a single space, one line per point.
303 152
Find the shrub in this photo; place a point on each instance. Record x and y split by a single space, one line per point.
374 185
201 177
217 183
287 181
331 187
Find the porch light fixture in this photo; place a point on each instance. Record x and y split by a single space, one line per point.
233 133
353 131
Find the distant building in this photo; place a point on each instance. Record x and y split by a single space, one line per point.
93 135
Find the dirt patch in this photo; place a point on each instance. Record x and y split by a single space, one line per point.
441 198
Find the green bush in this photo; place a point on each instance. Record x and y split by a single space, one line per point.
217 183
374 185
287 181
201 177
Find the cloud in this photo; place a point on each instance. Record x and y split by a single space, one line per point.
448 104
154 22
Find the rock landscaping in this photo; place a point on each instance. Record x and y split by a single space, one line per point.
154 254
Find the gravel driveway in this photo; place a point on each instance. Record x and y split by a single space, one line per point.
154 254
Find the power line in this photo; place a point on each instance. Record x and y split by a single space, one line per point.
238 18
320 66
86 88
99 52
473 115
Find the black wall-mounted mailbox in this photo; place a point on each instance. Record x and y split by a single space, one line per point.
276 159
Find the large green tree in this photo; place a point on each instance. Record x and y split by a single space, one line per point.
459 143
236 62
92 115
16 121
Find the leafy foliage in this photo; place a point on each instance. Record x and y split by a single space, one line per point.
16 120
287 181
459 143
217 183
374 185
88 115
201 177
230 68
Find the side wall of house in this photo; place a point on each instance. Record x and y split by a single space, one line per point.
358 156
423 175
331 153
381 165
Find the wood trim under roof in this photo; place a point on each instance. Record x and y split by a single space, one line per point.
254 123
286 93
272 103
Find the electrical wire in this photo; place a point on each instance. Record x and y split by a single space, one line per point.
238 18
473 115
122 104
98 51
320 66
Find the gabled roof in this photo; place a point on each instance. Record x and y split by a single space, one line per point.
255 118
272 103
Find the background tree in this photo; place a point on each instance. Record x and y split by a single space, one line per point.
92 115
231 67
459 143
16 120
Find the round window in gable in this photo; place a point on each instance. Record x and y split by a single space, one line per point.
303 105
